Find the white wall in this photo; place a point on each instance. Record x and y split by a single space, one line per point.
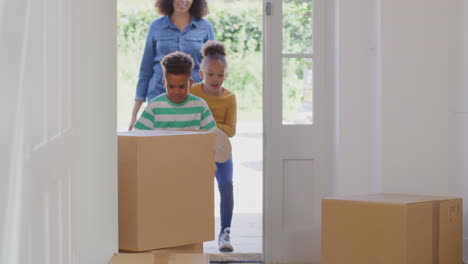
421 62
58 176
397 95
353 21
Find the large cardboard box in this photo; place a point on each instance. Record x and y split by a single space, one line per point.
391 229
166 188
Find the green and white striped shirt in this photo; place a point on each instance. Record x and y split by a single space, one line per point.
162 113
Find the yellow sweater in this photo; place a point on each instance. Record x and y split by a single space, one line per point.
223 108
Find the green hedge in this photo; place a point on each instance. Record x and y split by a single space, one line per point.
240 29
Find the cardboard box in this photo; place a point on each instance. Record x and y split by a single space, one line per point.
133 258
157 256
391 229
166 188
188 259
163 255
150 258
192 248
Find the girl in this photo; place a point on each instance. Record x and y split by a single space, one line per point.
223 106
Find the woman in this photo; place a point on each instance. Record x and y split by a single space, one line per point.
182 28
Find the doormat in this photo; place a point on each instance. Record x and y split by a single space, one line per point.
236 258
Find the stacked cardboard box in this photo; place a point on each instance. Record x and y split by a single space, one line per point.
391 229
192 248
151 258
187 254
166 188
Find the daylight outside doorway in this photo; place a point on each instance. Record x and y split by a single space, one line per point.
238 24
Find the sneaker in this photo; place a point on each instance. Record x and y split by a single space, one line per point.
224 241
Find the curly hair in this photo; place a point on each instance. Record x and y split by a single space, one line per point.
213 50
198 9
177 63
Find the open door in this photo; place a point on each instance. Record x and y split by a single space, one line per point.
58 164
298 129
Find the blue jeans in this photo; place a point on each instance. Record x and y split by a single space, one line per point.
224 178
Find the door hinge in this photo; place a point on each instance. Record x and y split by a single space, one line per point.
268 8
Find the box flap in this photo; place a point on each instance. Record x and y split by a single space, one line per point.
153 133
391 198
191 248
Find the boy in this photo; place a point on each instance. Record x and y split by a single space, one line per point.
176 109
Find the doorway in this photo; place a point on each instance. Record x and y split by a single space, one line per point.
238 24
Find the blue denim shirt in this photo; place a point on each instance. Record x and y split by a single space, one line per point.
163 38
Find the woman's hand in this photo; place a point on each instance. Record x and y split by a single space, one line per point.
136 108
132 123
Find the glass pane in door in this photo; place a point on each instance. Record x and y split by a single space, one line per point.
297 26
297 91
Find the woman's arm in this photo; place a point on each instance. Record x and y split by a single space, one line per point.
211 33
136 108
146 67
146 72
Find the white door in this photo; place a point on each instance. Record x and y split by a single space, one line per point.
58 179
298 116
